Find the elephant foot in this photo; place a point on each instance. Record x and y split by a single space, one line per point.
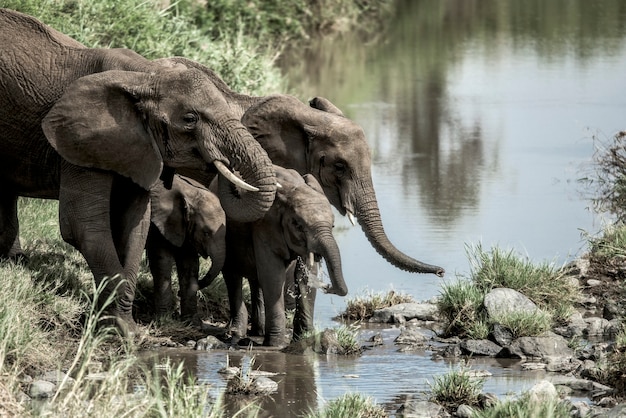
275 341
124 324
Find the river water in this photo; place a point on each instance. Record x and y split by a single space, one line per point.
481 116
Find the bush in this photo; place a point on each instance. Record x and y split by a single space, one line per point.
349 405
160 32
363 307
607 178
457 387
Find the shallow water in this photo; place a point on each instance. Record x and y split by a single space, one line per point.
480 116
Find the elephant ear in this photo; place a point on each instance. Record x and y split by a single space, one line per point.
170 213
97 124
312 182
322 103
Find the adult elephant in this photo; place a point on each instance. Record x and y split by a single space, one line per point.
187 222
95 128
318 139
298 226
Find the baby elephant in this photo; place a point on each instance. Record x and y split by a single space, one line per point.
187 221
298 226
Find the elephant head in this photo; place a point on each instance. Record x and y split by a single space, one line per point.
135 123
320 140
306 221
189 214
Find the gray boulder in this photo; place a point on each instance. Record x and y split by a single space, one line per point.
547 346
404 312
502 301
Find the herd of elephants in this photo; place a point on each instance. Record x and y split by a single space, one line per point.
162 155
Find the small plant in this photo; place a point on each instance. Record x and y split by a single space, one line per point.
524 324
461 305
349 405
526 406
362 307
607 178
543 283
457 387
347 338
610 247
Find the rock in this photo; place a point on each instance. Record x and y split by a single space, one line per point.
543 391
596 326
546 346
56 377
412 337
502 301
480 348
534 366
501 335
577 384
403 312
612 311
42 389
421 409
580 409
487 399
263 385
563 364
618 411
593 282
464 411
452 350
210 343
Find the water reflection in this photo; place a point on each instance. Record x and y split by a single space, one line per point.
479 114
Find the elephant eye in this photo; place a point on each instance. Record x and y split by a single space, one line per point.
297 225
190 118
340 168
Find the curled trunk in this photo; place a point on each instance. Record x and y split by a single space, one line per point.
253 165
368 216
329 250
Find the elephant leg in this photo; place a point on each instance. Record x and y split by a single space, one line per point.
188 268
9 227
108 224
161 262
238 312
271 276
305 302
257 317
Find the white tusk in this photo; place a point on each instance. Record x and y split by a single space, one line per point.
230 176
351 217
311 260
278 185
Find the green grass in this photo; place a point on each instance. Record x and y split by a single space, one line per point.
362 307
526 406
457 387
242 61
461 302
349 405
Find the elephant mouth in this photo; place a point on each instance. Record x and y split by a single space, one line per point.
232 177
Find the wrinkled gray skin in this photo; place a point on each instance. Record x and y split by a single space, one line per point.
318 139
187 222
94 128
299 222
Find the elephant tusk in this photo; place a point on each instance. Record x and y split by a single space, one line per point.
278 185
230 176
351 217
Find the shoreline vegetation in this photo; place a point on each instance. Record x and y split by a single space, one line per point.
47 320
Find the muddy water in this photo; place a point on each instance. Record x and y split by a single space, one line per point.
480 115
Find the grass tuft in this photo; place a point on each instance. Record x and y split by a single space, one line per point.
362 307
349 405
457 387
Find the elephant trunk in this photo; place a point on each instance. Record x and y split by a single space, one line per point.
368 216
218 255
329 250
250 160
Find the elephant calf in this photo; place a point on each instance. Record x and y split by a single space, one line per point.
298 226
187 221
